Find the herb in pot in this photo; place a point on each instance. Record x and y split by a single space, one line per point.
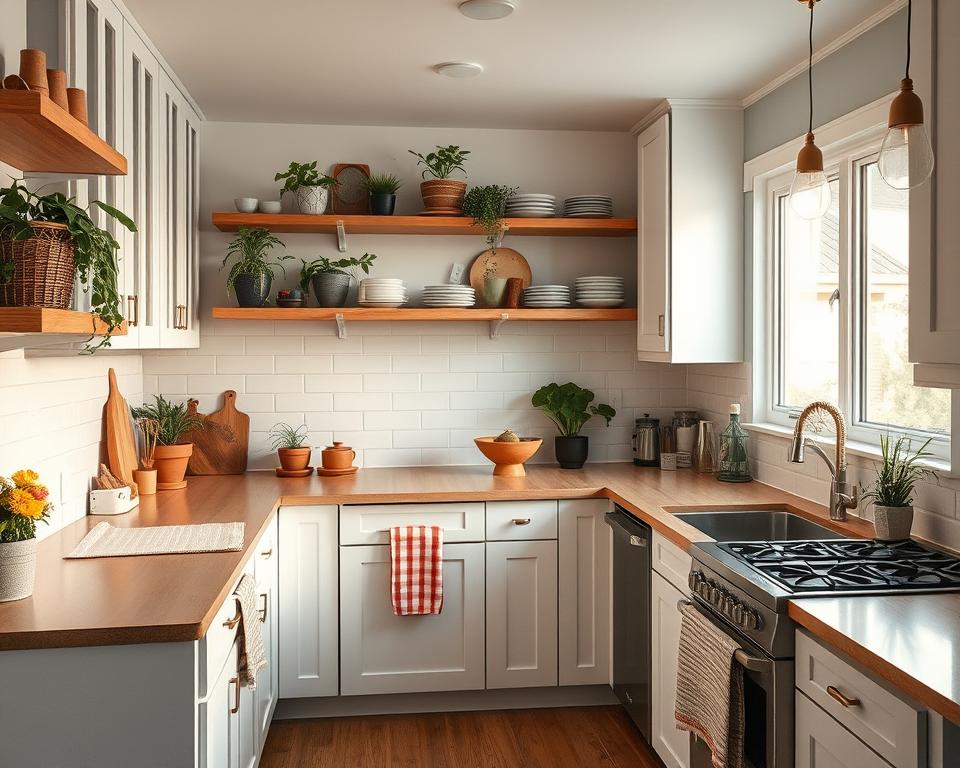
283 436
253 270
173 420
899 472
443 162
303 175
486 206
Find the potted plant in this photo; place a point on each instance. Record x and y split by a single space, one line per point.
892 492
442 195
45 242
312 188
330 280
23 501
170 455
146 477
486 205
289 442
382 188
252 274
570 407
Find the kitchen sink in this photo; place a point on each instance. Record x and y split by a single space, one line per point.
756 525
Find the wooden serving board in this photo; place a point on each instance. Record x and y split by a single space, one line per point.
220 447
503 262
118 436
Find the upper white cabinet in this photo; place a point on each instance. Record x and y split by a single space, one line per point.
690 243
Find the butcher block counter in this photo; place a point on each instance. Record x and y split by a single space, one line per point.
913 641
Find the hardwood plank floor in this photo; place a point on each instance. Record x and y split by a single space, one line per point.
575 737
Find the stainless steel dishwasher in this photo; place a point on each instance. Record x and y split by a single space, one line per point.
631 616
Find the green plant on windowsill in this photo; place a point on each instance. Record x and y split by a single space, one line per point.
324 266
303 175
899 471
486 205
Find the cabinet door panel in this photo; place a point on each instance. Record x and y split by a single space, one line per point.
653 242
219 723
672 745
823 743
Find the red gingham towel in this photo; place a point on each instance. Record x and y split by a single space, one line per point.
416 572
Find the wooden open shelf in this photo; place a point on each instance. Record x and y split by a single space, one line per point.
58 321
37 136
419 313
420 225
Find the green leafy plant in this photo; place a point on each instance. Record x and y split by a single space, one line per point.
251 246
443 162
173 420
350 266
899 471
486 206
569 407
303 175
95 249
282 435
382 184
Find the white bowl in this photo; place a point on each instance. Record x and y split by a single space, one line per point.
270 206
245 204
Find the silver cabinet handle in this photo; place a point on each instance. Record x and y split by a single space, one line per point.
521 521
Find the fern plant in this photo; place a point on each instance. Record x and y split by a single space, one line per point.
899 471
173 420
251 248
282 435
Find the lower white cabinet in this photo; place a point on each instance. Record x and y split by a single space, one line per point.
823 743
220 719
521 614
671 744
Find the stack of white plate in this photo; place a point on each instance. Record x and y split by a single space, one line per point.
599 291
382 292
449 296
588 207
545 296
531 205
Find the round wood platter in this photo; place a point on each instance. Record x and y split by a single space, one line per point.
281 472
336 472
505 262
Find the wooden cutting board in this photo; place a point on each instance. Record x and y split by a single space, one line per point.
118 435
502 262
220 447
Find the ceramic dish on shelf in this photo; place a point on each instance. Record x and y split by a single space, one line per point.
599 303
289 303
245 204
323 472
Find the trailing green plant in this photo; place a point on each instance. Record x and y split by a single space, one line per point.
173 420
443 162
382 184
303 175
282 435
322 265
486 205
251 246
899 471
95 249
570 407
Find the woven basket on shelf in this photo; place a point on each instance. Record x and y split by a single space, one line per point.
43 268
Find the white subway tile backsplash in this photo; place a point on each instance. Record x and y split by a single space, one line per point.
361 363
334 382
327 345
276 383
421 363
181 364
363 401
391 345
236 364
421 401
421 438
482 400
391 382
305 364
391 420
332 421
208 385
541 361
476 363
501 382
448 382
275 345
309 401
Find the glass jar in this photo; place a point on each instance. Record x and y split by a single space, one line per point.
733 465
685 423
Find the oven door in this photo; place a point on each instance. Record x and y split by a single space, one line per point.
768 705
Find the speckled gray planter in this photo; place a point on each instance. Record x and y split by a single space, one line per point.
892 523
18 565
331 289
312 200
252 290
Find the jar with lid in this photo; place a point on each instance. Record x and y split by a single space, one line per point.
733 465
685 423
646 441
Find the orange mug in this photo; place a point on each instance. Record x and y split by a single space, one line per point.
338 456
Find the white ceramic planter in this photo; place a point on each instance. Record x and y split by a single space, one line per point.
892 523
312 200
18 566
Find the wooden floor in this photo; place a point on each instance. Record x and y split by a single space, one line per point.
576 737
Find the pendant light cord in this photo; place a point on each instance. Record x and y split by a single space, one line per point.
909 25
810 69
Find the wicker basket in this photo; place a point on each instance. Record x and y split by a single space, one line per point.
43 272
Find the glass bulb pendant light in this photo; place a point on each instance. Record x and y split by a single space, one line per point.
810 191
906 156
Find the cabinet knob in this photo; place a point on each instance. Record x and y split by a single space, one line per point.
844 700
521 521
236 696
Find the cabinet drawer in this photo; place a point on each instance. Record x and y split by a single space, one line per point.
371 523
821 741
888 723
216 644
670 561
265 556
521 520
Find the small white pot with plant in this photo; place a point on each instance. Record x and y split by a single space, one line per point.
892 492
312 188
23 501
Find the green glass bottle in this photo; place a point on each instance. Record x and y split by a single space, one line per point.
734 466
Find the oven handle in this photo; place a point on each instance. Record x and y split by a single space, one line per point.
746 660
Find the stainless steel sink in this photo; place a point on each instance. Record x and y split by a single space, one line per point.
756 525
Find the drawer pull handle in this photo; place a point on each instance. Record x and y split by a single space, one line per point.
844 700
236 696
231 623
263 611
521 521
266 555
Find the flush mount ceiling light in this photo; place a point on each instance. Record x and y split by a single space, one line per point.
487 10
906 156
459 69
810 190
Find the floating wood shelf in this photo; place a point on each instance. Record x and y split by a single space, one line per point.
60 322
421 225
37 136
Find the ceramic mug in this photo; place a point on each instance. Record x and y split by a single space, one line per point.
338 456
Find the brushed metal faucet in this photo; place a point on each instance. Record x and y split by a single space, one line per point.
843 495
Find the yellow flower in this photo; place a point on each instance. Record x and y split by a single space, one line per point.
23 503
25 477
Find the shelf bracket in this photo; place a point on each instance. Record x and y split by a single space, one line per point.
501 233
495 325
341 237
341 326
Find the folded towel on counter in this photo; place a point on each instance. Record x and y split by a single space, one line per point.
253 656
106 540
710 688
416 569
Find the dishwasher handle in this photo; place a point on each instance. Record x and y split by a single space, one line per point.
626 528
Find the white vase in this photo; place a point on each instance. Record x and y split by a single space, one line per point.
892 523
312 200
18 566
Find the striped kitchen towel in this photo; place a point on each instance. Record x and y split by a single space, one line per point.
416 572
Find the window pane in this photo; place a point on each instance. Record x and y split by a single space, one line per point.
889 396
809 267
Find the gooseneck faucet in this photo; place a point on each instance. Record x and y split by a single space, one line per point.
843 495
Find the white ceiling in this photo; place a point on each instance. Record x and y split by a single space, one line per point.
563 64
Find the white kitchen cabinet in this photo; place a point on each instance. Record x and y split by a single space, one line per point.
672 745
384 653
309 612
584 551
220 719
690 242
821 742
521 614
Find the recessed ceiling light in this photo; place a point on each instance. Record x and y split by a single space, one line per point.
459 69
487 10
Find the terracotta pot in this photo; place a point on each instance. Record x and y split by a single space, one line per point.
57 83
77 99
294 459
445 194
146 480
18 567
171 463
33 69
892 523
338 456
508 458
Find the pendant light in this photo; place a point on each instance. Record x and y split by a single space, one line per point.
810 191
906 156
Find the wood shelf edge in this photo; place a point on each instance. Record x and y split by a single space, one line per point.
41 320
364 314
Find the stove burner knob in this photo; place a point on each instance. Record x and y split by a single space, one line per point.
715 595
694 579
737 614
751 619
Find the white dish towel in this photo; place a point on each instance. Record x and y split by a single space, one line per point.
253 656
106 540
